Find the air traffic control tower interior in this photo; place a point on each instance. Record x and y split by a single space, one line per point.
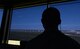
13 14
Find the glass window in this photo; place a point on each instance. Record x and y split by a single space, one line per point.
26 23
70 15
1 13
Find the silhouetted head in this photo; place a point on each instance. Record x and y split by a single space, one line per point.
51 18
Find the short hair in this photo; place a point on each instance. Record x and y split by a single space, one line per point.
51 14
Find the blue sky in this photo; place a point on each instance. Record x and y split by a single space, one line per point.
27 18
30 18
70 15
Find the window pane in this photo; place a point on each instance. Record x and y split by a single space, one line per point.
1 13
70 15
26 22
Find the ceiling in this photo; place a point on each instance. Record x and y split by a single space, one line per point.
20 3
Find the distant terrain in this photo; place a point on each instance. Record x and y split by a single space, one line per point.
27 35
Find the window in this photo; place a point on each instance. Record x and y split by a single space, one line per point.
26 22
1 13
70 15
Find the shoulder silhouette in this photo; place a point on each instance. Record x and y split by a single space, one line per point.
52 38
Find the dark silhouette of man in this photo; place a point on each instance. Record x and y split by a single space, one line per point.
52 38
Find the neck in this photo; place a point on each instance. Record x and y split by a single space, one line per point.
52 29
